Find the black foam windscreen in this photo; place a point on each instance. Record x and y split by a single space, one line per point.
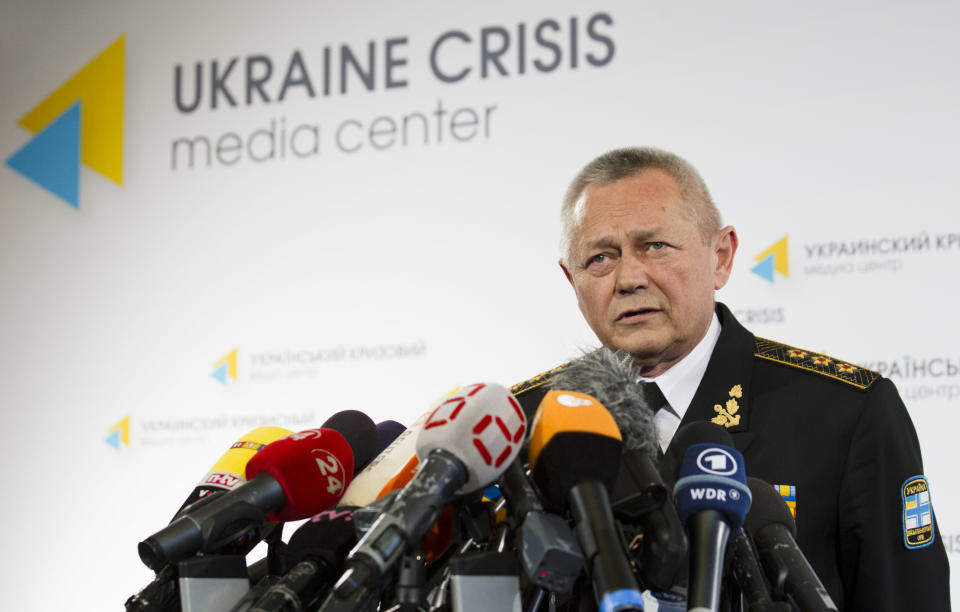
572 457
387 432
360 432
698 432
326 538
610 377
767 507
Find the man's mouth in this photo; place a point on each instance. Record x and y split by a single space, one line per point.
636 315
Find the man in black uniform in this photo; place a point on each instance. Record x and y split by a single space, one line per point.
644 251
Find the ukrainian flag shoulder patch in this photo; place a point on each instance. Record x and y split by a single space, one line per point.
789 495
917 512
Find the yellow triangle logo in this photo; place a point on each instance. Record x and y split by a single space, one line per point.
230 360
99 87
122 428
779 251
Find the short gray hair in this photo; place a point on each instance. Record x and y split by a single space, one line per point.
623 163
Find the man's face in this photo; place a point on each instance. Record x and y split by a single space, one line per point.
643 276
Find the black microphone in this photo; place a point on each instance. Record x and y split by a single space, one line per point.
315 557
644 505
712 500
772 527
640 500
698 432
361 433
161 595
746 571
387 432
548 550
575 452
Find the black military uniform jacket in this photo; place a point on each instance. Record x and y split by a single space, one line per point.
841 437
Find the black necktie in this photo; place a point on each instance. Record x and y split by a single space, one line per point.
653 396
655 400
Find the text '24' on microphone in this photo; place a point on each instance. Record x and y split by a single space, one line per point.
290 479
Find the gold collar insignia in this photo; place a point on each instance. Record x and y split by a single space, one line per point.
727 414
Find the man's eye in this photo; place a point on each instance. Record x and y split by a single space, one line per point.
598 258
656 246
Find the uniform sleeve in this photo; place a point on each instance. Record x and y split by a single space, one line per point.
880 499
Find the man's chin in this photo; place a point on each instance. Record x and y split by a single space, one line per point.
647 355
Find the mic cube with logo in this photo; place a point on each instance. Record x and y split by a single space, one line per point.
713 478
482 425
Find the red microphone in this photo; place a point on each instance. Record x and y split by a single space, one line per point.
312 467
292 478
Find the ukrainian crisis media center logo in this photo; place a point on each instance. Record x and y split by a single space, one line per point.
774 259
119 434
226 368
81 121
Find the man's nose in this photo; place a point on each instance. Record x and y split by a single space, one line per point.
631 274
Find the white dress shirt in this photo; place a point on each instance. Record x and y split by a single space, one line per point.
680 382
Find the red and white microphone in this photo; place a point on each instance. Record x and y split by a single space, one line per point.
468 440
292 478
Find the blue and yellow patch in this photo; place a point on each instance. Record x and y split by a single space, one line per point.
789 495
917 512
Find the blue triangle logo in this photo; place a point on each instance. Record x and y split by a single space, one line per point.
114 439
220 374
51 159
764 269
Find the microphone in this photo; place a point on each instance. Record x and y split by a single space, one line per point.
387 432
746 571
698 432
575 451
314 557
227 472
712 500
359 431
467 441
292 478
485 580
391 469
550 554
772 527
644 506
610 377
640 499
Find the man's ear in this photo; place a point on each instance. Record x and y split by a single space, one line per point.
725 247
566 272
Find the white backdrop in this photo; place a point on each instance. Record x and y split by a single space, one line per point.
380 278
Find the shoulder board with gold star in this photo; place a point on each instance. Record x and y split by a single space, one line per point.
853 375
537 381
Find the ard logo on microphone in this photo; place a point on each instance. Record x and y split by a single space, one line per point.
716 461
